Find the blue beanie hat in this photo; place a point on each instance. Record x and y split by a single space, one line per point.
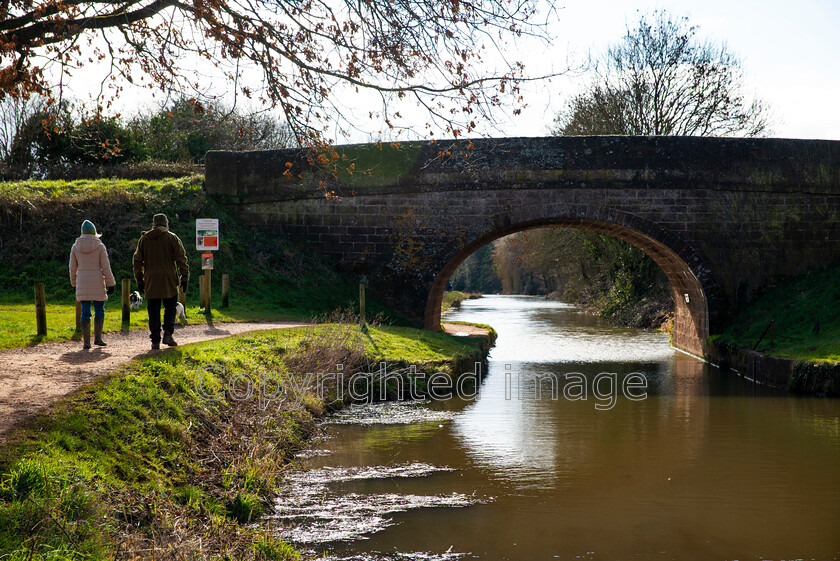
89 228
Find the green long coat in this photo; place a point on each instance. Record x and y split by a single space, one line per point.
158 261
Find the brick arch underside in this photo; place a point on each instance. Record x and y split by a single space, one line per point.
691 318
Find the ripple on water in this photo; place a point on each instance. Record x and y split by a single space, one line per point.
312 453
325 475
417 555
313 514
390 413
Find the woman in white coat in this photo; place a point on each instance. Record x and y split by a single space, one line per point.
90 274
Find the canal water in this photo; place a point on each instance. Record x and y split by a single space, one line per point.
629 450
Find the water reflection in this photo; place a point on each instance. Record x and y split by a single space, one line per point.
707 466
544 331
526 426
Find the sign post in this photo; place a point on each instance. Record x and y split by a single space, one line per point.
207 267
207 240
201 297
207 234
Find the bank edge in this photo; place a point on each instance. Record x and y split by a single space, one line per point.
139 464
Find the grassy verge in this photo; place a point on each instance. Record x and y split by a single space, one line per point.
18 328
453 300
170 457
270 277
805 315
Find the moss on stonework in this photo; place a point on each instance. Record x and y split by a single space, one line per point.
376 165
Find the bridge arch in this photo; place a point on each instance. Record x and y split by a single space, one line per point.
725 218
685 268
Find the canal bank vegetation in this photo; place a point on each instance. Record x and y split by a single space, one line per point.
599 273
454 298
798 319
176 455
270 277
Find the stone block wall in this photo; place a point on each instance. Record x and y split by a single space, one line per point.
724 218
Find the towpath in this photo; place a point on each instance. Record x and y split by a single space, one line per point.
32 378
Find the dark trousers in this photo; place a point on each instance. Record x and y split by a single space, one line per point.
153 306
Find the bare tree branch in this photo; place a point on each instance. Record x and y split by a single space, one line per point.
660 80
303 49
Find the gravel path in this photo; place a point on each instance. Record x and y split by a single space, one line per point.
32 378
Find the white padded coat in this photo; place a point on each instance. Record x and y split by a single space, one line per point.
90 269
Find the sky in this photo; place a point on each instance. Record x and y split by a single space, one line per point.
790 54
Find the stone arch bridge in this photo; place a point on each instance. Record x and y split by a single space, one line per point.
723 218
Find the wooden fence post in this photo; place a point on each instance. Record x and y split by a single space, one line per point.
225 290
201 291
126 305
361 304
363 282
40 308
208 293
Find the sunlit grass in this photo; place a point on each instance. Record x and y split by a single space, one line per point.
37 191
18 327
144 454
454 299
412 346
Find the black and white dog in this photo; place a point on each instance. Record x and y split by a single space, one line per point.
135 300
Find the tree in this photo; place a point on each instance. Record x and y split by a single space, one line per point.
40 141
554 257
60 140
427 50
477 273
15 113
506 261
184 130
662 80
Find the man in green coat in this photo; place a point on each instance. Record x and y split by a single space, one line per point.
159 262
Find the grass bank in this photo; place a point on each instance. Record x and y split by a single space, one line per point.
172 458
805 316
18 325
454 298
270 277
798 320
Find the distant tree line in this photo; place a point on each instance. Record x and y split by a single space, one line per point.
477 273
39 140
596 271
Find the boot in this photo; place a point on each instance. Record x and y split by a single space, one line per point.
86 333
97 331
168 340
